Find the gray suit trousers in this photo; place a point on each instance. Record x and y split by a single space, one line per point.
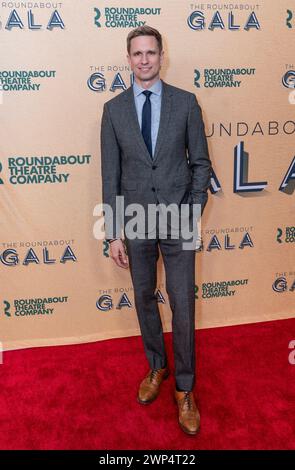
180 285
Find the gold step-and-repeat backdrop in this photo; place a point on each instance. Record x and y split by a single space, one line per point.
60 61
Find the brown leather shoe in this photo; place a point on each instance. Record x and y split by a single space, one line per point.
188 413
150 386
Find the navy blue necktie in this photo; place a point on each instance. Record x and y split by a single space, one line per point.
146 123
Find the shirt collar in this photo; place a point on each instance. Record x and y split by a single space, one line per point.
156 88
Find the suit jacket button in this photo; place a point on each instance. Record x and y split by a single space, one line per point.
154 167
153 189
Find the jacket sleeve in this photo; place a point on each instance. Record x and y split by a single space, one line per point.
111 176
198 155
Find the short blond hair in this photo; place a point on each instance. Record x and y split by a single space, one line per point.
144 31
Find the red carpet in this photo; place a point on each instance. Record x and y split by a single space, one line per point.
84 396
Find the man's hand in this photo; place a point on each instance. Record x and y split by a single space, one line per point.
117 253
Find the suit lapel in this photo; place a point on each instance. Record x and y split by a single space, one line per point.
163 125
164 118
134 124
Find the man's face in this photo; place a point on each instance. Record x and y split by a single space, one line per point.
145 59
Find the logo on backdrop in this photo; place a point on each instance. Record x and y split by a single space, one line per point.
289 19
6 310
241 155
24 80
288 79
221 78
213 289
32 307
41 170
98 82
119 298
199 20
284 282
227 238
37 252
124 17
40 18
286 235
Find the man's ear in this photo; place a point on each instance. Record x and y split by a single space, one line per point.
161 57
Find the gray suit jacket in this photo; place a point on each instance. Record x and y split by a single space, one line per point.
181 169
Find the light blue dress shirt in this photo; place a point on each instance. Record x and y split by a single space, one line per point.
155 99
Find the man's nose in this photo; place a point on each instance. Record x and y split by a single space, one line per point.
144 59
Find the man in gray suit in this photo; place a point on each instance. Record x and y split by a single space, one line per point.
154 151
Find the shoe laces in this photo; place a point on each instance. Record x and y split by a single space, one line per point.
188 400
153 374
